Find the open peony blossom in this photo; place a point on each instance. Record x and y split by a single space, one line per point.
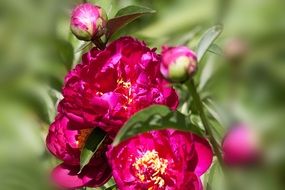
66 143
88 21
109 86
178 63
241 146
160 160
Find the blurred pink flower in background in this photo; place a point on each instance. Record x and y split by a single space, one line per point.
165 159
241 146
109 86
88 21
178 63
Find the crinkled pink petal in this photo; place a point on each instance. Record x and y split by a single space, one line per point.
61 140
205 155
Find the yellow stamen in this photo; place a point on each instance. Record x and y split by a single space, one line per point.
82 137
126 85
150 168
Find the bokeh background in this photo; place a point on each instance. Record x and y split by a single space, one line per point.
242 77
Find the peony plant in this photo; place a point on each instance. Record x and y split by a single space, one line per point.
125 115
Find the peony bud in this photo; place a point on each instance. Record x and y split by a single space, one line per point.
88 21
241 146
178 63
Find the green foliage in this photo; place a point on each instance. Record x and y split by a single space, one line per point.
93 142
125 16
155 118
208 38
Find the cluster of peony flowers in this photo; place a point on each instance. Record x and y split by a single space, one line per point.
104 91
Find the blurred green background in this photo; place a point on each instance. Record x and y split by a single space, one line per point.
244 74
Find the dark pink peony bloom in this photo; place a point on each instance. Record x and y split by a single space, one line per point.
88 21
240 146
178 63
111 85
66 143
160 160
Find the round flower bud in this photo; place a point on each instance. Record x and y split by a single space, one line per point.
241 146
88 21
178 63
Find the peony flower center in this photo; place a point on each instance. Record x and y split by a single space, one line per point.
82 137
150 168
126 89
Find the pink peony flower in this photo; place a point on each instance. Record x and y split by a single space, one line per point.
160 160
240 146
178 63
109 86
66 143
88 21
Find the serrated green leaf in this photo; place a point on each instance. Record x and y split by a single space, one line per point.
155 117
208 38
94 141
125 16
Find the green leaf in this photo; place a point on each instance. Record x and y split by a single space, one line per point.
133 9
207 72
215 178
186 38
112 187
218 122
208 38
155 117
41 98
83 46
94 141
217 112
125 16
215 49
66 54
210 176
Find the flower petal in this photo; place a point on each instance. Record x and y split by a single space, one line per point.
205 155
92 176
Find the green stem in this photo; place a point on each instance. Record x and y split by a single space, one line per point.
99 43
197 101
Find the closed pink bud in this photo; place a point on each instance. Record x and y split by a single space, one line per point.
88 21
241 146
178 63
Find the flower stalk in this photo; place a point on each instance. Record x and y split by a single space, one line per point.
199 105
99 43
